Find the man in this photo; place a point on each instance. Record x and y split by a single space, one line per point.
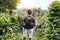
28 26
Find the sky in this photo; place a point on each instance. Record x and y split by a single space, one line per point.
43 4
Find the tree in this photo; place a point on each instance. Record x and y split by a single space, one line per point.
53 17
8 23
8 4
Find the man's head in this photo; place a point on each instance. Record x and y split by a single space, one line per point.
29 12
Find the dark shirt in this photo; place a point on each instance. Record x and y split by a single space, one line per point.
27 26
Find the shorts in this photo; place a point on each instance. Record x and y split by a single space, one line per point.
28 32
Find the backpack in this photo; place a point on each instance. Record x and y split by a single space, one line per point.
29 22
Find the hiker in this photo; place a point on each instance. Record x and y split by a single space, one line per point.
28 25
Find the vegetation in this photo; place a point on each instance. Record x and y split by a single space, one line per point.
54 21
48 21
8 4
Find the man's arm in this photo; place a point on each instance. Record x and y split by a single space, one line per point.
34 22
23 23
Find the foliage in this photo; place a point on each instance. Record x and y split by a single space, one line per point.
48 23
8 24
53 19
8 4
